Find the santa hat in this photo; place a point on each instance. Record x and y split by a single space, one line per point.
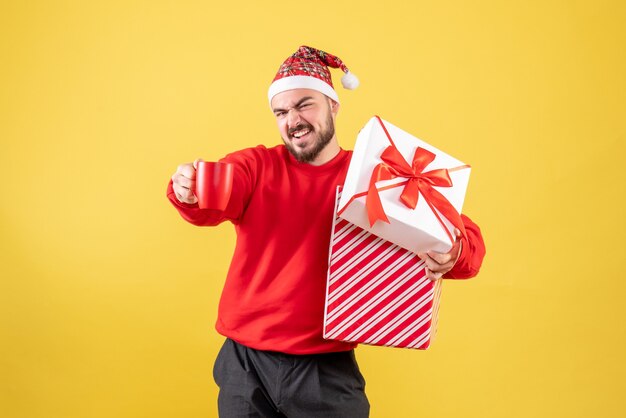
307 68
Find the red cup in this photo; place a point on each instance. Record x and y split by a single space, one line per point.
214 182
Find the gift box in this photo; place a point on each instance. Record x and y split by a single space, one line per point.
377 292
404 190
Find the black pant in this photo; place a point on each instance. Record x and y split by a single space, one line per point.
257 383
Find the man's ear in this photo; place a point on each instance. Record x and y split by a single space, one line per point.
334 106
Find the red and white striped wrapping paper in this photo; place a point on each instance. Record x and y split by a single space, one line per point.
377 292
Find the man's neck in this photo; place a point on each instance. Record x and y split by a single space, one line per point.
330 152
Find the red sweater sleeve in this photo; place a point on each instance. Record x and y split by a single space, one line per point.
472 253
244 177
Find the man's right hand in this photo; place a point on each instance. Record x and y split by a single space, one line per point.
184 182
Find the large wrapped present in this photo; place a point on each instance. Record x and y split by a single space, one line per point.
404 190
377 292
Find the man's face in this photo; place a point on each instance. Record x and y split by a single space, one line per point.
306 122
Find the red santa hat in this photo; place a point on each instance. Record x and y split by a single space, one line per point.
307 68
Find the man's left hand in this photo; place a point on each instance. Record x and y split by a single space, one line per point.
438 264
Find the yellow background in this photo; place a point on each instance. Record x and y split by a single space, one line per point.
108 298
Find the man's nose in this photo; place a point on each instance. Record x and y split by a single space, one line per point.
293 117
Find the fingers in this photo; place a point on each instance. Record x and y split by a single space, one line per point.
440 258
187 170
442 262
184 194
431 275
434 265
195 163
437 264
183 183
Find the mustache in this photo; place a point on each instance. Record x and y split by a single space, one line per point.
299 127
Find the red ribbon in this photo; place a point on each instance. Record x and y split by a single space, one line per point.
419 182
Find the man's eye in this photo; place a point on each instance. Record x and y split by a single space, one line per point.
280 114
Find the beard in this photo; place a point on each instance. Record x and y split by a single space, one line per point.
320 140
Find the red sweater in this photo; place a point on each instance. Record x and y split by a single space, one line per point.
273 297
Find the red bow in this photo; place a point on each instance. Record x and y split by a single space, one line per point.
419 182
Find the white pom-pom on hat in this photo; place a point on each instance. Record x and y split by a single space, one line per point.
349 81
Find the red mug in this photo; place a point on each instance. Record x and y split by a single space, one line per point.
214 183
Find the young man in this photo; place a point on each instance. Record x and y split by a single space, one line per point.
275 362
